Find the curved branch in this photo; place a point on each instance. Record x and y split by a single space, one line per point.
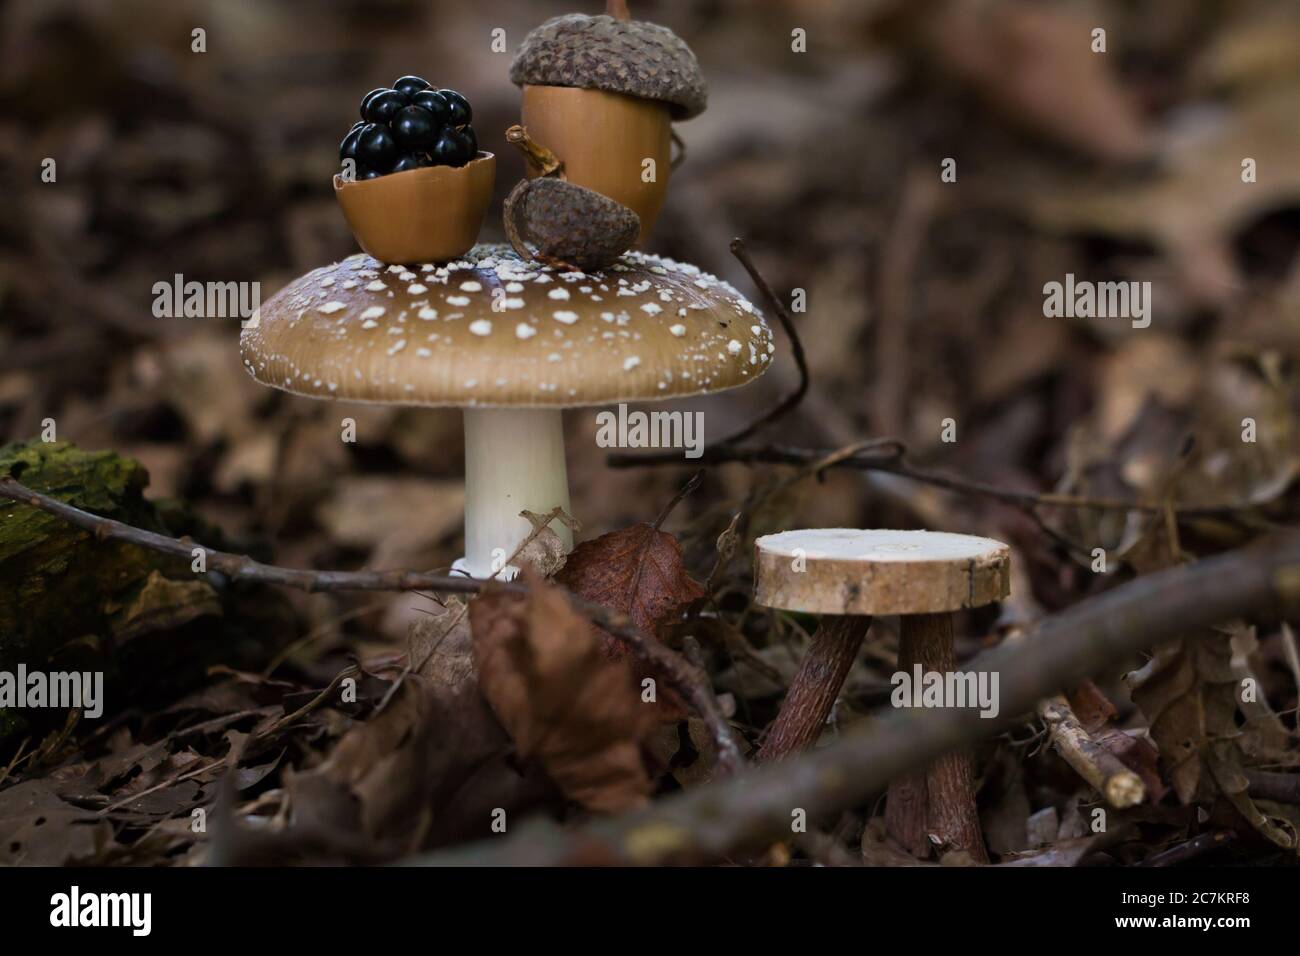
714 821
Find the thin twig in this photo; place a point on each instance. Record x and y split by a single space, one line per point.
1269 785
787 404
686 489
887 455
1190 850
1100 768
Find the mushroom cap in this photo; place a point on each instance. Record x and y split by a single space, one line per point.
492 329
847 571
601 52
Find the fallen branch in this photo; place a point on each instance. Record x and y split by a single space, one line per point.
688 681
715 821
1269 785
1100 768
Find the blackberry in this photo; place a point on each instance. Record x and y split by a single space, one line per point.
414 127
460 113
408 161
348 148
435 104
451 148
410 126
410 85
383 106
376 148
365 100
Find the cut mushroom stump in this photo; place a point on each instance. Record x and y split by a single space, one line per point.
512 343
921 576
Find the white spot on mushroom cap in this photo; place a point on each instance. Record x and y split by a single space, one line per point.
329 308
480 327
568 318
525 331
678 330
630 363
374 312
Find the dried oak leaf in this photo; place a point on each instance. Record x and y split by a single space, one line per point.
541 668
637 571
1188 692
402 775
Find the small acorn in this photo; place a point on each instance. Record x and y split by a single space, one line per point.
560 223
603 92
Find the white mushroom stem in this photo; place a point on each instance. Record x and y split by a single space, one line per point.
514 461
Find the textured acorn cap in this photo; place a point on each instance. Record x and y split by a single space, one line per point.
644 329
554 219
847 571
600 52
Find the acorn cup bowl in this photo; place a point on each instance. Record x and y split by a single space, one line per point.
604 139
431 214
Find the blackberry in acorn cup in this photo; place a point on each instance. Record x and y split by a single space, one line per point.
602 92
413 184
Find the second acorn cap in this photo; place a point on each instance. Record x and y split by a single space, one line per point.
633 57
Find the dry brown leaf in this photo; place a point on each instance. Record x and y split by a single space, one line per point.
1187 693
1198 203
1035 65
403 767
542 669
637 571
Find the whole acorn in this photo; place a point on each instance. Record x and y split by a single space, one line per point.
560 223
602 92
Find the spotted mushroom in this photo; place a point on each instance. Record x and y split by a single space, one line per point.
512 343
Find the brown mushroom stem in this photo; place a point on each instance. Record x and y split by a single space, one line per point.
815 687
538 156
936 805
618 9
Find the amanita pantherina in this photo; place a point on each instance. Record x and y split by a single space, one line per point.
602 92
512 343
922 576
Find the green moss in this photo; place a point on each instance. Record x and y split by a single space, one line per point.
71 601
57 582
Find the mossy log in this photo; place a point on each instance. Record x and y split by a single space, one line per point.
69 601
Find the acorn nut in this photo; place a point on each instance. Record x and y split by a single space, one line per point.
558 223
603 91
561 223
